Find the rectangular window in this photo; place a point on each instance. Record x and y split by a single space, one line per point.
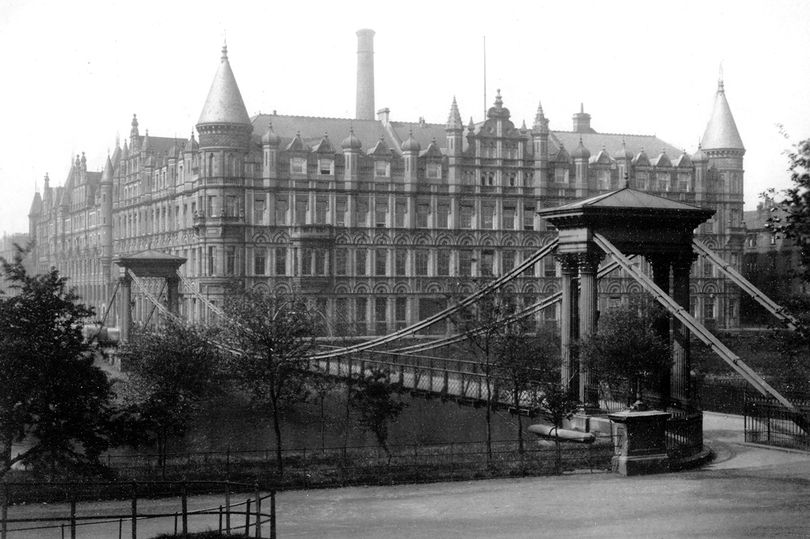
281 211
230 206
421 263
380 315
281 261
320 262
400 261
258 210
509 217
427 308
433 171
549 267
321 207
708 308
259 262
487 215
528 217
361 316
211 206
401 312
508 261
306 261
561 175
298 165
465 262
422 212
340 261
466 216
380 262
340 211
301 211
443 262
401 209
380 213
381 169
211 261
487 261
326 167
361 213
360 261
230 261
442 215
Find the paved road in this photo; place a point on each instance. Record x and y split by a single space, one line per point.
745 492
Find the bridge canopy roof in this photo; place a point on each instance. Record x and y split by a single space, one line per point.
635 221
151 263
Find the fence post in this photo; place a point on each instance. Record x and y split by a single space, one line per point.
273 514
184 508
4 515
72 518
258 511
227 507
134 510
247 517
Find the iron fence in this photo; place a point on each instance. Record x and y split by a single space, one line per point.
768 422
66 516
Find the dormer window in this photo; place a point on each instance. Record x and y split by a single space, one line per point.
298 165
326 167
434 171
382 169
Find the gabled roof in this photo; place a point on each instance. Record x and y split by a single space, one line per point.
380 149
324 145
224 103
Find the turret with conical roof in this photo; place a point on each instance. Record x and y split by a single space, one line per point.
224 121
724 148
454 130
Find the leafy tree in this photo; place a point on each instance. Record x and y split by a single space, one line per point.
270 335
523 361
372 398
559 403
53 397
483 323
794 219
170 372
628 349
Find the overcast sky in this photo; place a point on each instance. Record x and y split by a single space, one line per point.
75 72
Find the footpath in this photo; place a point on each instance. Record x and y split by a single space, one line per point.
746 491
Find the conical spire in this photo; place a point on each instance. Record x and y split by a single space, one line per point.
721 131
224 103
454 120
107 175
540 120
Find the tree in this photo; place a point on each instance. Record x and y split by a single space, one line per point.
271 335
170 371
483 323
794 221
524 361
372 398
627 348
52 397
559 404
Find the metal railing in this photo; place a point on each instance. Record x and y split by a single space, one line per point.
767 422
65 518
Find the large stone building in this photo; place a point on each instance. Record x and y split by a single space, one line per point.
374 218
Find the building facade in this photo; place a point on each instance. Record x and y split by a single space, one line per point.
373 218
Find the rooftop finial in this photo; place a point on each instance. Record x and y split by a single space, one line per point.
720 87
581 107
224 51
626 180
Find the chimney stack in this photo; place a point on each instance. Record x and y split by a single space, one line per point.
365 75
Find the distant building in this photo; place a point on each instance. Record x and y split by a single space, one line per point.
8 249
373 218
770 261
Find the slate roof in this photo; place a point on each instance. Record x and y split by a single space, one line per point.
224 103
611 142
627 198
721 131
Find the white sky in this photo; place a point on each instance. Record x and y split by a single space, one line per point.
75 72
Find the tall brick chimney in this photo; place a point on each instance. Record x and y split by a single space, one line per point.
365 74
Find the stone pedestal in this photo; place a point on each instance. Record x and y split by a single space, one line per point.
640 442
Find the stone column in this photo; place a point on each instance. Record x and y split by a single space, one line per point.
173 294
681 364
567 316
660 269
125 306
588 266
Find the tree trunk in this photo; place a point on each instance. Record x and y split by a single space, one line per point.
323 425
519 420
277 430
